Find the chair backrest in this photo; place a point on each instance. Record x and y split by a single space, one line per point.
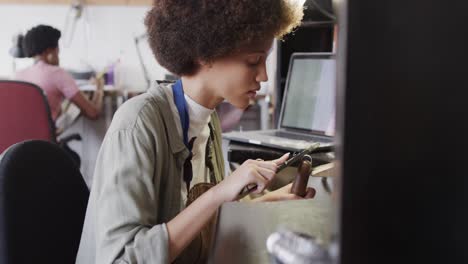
24 114
43 200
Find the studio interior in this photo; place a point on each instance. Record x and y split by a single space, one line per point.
233 131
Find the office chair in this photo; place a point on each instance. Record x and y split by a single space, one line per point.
25 114
43 200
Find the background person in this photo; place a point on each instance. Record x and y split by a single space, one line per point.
41 43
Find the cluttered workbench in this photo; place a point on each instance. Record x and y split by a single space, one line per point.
243 228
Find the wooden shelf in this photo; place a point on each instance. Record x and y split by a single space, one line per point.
140 2
88 2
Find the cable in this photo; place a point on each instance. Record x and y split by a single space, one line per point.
74 13
323 11
137 40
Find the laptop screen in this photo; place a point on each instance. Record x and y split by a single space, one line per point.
309 99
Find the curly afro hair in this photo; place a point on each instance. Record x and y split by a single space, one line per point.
182 33
40 38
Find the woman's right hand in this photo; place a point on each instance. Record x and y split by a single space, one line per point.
100 84
187 224
256 172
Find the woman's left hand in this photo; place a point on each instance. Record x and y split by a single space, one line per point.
284 193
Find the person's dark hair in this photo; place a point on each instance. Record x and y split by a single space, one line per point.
40 38
183 33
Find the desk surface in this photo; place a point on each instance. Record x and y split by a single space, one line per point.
243 227
90 87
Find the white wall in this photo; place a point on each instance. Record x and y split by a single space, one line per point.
102 35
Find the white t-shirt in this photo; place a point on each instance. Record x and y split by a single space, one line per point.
199 117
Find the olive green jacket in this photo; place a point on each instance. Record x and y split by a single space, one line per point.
137 183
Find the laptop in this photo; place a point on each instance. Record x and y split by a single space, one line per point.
307 114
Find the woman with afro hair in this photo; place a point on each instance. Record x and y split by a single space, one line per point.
41 43
159 174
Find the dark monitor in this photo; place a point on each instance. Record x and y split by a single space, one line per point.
402 131
314 35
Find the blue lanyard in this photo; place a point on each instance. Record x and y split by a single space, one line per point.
181 104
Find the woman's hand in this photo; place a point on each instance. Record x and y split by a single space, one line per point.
256 172
99 82
284 193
